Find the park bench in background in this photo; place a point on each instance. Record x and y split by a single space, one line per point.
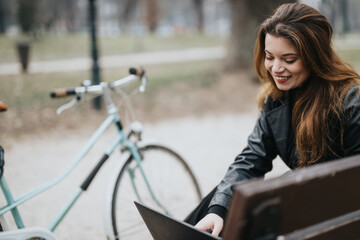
318 202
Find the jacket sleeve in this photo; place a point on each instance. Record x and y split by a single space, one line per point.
254 161
351 136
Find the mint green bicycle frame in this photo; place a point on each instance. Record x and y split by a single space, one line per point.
120 140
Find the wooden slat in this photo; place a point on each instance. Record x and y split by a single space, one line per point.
343 227
294 201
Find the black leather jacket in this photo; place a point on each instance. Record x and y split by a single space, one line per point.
273 135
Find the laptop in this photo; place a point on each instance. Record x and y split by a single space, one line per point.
163 227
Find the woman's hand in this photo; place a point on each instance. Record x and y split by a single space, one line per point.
211 222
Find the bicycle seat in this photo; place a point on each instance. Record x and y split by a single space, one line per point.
3 107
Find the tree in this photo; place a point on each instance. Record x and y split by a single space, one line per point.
26 15
338 14
62 15
199 5
127 10
68 12
345 13
5 14
152 14
246 17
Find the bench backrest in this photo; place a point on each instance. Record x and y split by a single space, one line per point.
317 202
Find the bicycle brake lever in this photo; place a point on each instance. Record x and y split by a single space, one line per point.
143 84
68 105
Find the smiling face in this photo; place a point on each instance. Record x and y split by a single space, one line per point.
284 63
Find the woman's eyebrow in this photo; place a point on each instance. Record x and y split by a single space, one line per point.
285 54
290 54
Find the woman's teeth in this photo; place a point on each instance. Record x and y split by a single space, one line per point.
282 78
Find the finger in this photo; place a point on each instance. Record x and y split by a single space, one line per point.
217 229
202 226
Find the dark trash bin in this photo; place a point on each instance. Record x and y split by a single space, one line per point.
23 49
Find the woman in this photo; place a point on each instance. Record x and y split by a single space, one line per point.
310 109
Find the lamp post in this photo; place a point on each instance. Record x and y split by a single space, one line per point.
95 76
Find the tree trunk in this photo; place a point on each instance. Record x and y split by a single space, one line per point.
26 15
247 15
3 14
127 13
70 11
199 10
152 14
345 15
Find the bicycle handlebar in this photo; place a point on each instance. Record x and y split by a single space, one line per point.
3 107
135 73
63 92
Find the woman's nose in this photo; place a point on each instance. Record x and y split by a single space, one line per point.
278 67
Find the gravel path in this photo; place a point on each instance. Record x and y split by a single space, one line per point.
209 144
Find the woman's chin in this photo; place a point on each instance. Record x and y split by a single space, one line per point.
283 87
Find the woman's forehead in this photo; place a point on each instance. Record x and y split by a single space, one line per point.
277 44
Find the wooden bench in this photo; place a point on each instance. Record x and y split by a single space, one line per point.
318 202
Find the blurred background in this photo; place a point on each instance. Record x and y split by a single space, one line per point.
197 53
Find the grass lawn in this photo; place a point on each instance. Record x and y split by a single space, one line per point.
51 47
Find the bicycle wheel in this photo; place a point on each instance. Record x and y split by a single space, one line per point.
171 180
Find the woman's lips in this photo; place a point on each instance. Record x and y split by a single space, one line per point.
282 79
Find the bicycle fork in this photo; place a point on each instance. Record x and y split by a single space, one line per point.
135 153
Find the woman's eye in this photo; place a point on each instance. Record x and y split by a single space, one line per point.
268 58
290 61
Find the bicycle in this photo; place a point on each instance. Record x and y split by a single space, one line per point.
147 174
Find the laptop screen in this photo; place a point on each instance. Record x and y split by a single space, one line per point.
163 227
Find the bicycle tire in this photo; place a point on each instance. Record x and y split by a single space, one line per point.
172 181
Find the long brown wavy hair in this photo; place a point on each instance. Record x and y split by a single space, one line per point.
320 100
